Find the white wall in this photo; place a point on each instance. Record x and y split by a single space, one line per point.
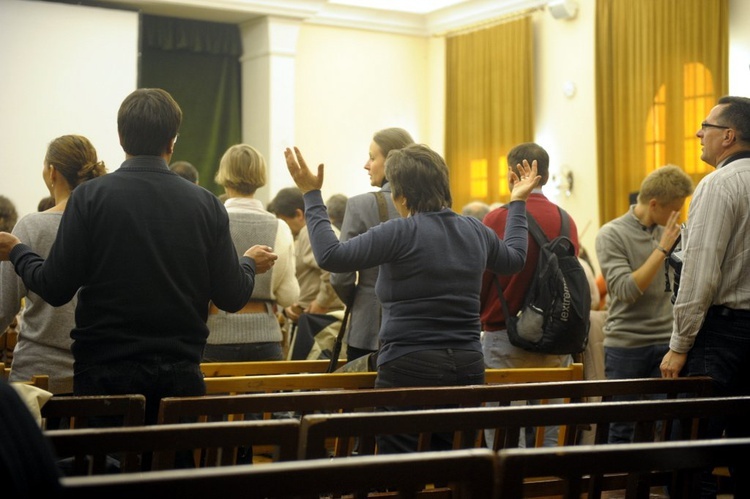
566 126
739 48
350 84
64 70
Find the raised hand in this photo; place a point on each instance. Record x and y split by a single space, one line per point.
264 258
301 174
671 231
523 186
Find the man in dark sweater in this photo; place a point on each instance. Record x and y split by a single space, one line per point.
146 252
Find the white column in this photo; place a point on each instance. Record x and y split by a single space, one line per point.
268 67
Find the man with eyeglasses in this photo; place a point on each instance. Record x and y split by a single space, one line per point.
711 329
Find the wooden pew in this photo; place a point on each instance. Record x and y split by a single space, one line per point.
213 444
37 380
215 369
226 407
357 380
643 464
318 430
233 407
467 474
122 410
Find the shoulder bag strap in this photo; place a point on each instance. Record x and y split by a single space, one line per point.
382 207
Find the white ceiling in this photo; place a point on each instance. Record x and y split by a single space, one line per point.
413 17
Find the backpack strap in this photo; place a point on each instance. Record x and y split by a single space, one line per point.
382 207
537 232
541 239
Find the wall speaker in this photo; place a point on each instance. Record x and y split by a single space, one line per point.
563 9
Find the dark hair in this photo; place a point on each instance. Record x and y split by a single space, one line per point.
8 214
736 113
420 175
148 121
530 151
45 203
336 206
287 202
74 157
185 170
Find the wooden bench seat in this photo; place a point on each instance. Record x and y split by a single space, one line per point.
467 474
357 380
643 466
213 444
215 369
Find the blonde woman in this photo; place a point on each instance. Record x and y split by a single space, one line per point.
254 332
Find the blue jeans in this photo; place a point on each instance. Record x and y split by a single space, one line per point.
443 367
630 363
722 351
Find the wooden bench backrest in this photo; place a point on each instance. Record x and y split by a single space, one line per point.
214 444
121 410
467 474
37 380
577 466
357 380
219 408
317 429
215 369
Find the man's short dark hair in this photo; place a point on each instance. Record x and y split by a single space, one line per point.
736 113
530 151
336 205
185 170
287 201
147 122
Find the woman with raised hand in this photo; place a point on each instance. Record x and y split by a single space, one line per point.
431 265
357 288
44 331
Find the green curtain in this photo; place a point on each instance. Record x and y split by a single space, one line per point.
198 63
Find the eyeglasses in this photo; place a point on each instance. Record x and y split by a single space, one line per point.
705 125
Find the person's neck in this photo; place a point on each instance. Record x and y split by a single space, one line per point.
61 196
641 213
731 154
233 193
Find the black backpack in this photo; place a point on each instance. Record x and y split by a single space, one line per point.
554 317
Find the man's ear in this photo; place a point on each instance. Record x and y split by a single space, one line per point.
299 214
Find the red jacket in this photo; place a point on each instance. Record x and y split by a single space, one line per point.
515 286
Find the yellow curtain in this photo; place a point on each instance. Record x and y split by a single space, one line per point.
660 67
489 107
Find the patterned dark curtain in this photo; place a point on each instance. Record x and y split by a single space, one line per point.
199 64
